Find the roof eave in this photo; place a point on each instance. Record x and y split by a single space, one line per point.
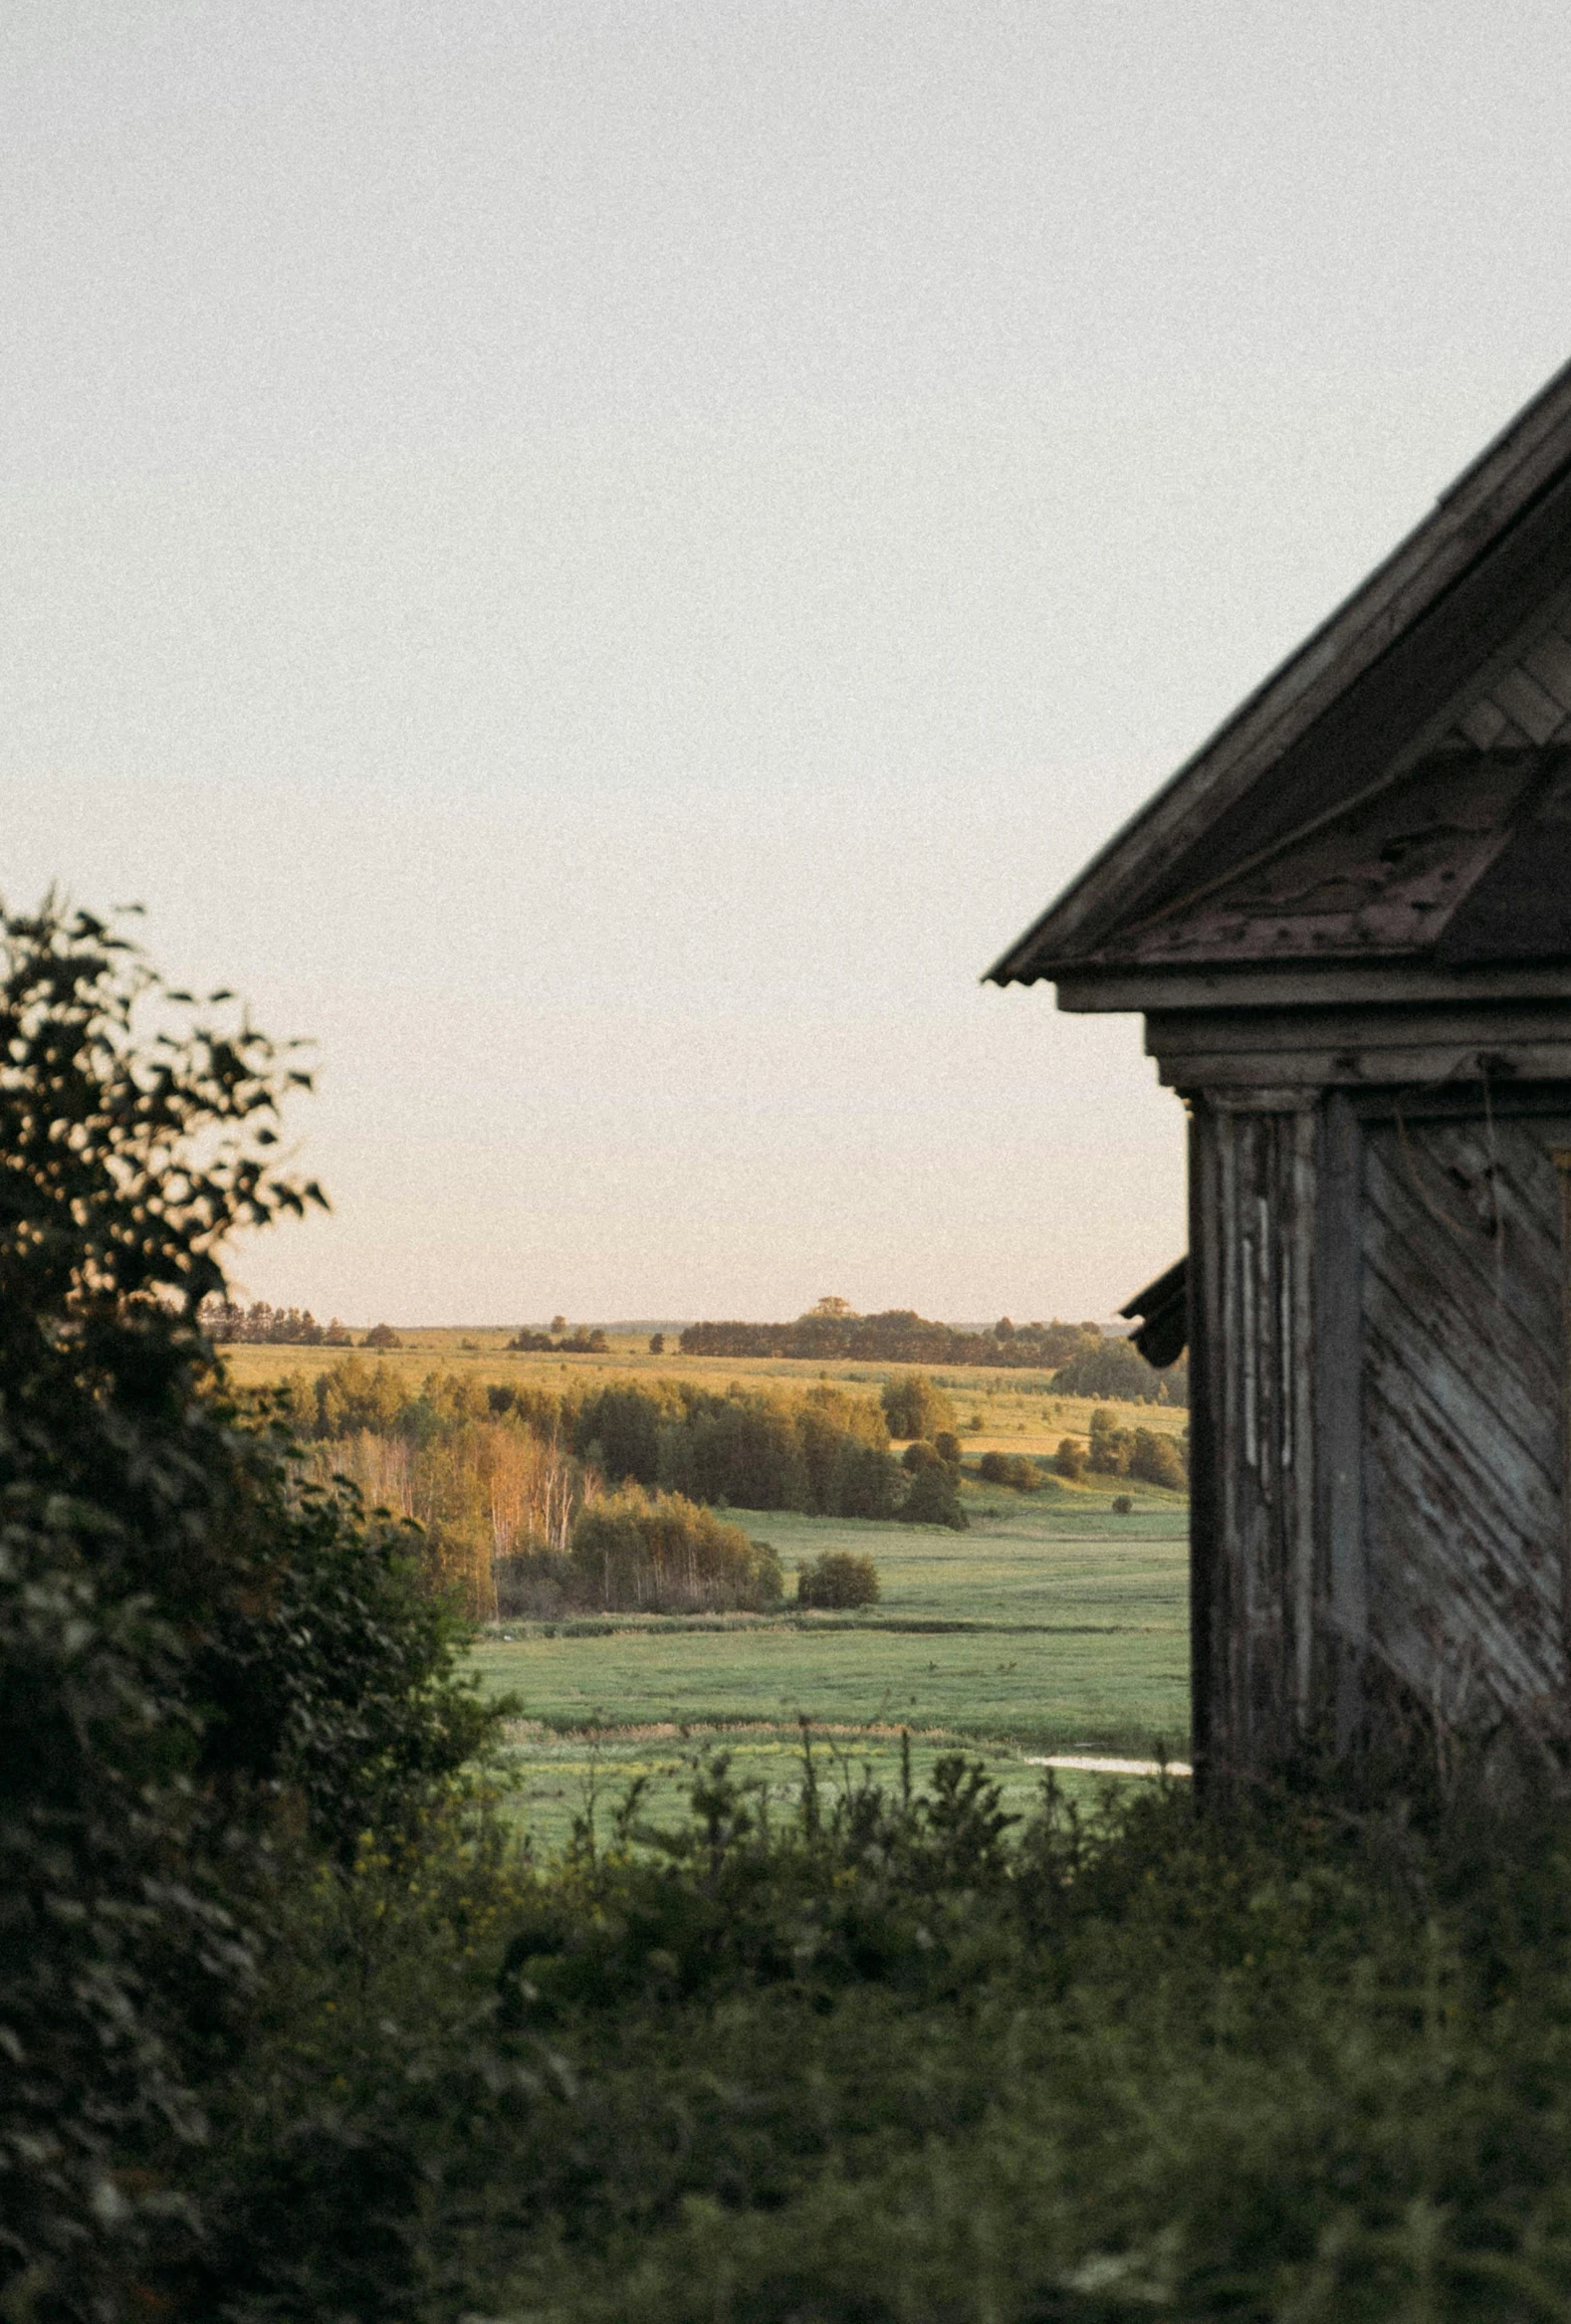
1466 524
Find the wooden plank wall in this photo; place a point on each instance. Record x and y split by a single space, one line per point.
1463 1380
1377 1370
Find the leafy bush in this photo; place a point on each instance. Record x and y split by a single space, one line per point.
1109 1446
933 1498
1158 1460
382 1335
913 1406
1069 1459
838 1579
660 1554
1122 1505
193 1642
947 1445
1009 1468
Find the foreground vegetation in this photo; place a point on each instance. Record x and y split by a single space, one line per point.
295 2026
896 2060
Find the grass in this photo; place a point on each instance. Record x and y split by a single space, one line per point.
1051 1626
555 1781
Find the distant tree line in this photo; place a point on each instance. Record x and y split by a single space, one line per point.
227 1324
1082 1358
896 1336
579 1343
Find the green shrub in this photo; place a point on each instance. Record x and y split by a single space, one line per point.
1110 1449
947 1445
659 1553
1069 1459
913 1406
198 1652
934 1498
1009 1468
1157 1460
838 1579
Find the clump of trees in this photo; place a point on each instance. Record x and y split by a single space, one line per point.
933 1494
1116 1368
583 1342
499 1472
913 1406
836 1582
1141 1453
227 1324
658 1552
1011 1469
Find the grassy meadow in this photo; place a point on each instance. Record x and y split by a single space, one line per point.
1053 1626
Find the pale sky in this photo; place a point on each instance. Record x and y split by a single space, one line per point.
603 561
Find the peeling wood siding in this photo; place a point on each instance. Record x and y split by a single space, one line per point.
1463 1385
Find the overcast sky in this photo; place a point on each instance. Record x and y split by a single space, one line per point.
603 561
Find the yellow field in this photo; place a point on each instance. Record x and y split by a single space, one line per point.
1017 1409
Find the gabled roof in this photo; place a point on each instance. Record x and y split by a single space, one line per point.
1398 790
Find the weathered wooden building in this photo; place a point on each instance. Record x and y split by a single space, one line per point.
1347 922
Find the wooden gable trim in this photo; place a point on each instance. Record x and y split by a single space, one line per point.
1455 595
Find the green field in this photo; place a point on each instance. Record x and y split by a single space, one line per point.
1052 1625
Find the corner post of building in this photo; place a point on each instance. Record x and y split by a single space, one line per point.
1560 1155
1254 1170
